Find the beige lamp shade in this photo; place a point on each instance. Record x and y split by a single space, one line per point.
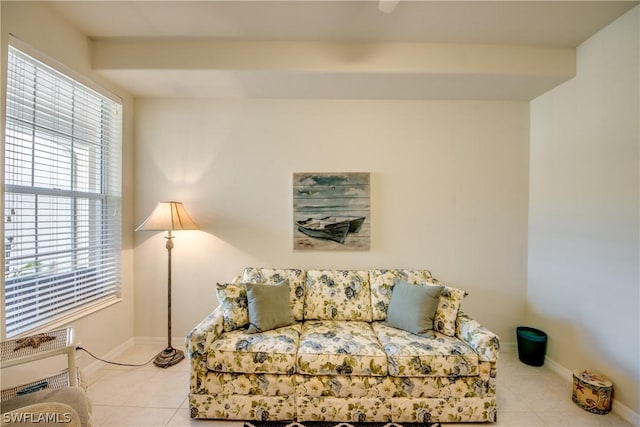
168 216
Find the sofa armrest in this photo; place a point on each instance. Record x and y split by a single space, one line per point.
480 339
206 332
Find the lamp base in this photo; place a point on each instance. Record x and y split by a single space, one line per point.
168 357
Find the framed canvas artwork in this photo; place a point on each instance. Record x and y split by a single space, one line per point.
331 211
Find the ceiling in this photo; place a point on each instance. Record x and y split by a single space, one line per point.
544 24
536 23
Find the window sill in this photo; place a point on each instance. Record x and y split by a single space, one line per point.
71 317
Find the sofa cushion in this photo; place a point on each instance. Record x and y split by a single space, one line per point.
382 287
340 348
269 306
233 302
413 308
448 308
271 352
272 276
337 295
431 354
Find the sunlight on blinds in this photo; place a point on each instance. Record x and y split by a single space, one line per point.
62 194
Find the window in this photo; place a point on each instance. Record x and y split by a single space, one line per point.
62 158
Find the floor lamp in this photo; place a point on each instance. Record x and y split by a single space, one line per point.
168 216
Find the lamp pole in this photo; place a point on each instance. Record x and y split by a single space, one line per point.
169 246
169 356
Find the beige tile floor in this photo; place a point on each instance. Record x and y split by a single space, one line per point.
151 396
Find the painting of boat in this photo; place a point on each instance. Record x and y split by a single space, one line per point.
331 211
321 229
330 228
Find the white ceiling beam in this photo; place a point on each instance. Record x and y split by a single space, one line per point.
403 58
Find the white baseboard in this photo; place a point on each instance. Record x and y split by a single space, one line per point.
625 412
509 347
620 409
176 342
558 369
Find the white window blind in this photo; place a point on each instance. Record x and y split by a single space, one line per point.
62 195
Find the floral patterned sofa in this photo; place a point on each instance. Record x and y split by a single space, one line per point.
339 360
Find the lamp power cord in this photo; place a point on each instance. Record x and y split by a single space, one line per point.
79 348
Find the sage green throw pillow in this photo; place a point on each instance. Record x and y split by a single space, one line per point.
269 306
413 307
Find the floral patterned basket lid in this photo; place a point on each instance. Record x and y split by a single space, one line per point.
592 378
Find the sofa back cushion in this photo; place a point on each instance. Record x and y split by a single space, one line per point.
337 295
273 276
382 287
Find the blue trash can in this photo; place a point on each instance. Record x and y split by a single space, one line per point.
532 345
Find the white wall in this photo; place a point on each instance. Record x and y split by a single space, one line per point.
584 212
36 24
449 193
